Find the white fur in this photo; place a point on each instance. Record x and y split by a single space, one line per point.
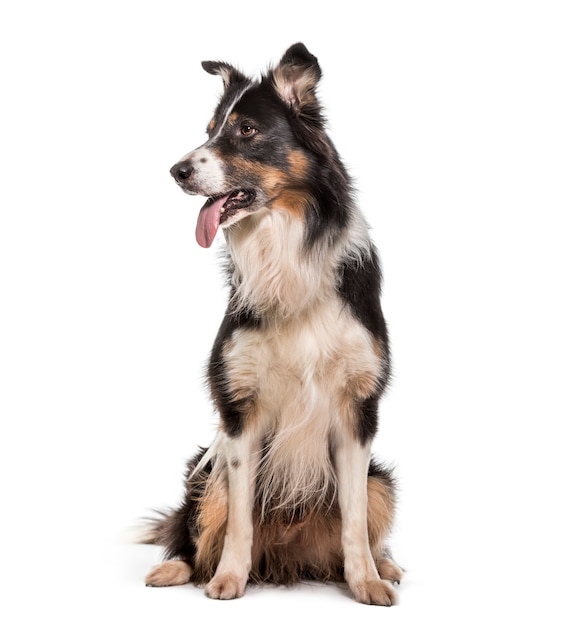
274 275
209 178
233 569
299 364
360 571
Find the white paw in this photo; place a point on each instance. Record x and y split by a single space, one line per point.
226 586
378 592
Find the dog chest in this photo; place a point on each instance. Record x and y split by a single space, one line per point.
311 364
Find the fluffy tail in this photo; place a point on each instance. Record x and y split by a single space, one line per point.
150 530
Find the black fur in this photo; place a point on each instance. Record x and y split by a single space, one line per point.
177 530
231 412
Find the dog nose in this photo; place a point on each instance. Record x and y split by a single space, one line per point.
181 171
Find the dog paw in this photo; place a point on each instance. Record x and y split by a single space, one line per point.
388 570
168 574
226 587
378 592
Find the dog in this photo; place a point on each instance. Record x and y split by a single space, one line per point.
288 490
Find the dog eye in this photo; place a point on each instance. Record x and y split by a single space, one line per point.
246 130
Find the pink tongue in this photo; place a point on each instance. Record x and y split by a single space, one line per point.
207 224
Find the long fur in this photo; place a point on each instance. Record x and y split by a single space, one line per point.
287 490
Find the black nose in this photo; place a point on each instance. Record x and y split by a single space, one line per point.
181 171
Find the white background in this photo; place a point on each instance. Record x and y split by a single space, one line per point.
455 120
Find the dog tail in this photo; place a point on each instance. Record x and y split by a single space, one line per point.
150 530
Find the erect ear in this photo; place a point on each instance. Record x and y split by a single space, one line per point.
296 76
228 73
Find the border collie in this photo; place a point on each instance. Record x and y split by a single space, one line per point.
288 490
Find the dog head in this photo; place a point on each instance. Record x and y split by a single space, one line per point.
264 143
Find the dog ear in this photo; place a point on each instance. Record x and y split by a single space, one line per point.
296 76
228 73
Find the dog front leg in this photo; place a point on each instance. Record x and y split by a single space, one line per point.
234 566
352 464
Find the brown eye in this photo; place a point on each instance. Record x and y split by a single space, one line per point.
246 130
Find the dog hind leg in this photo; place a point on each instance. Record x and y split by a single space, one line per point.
380 511
173 531
169 573
388 570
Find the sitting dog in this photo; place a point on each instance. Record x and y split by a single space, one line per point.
288 490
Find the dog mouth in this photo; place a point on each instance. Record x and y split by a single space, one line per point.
221 209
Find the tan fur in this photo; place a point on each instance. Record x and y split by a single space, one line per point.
212 523
293 201
309 546
298 164
379 513
271 177
282 189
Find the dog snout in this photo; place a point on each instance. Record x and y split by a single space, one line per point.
182 171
